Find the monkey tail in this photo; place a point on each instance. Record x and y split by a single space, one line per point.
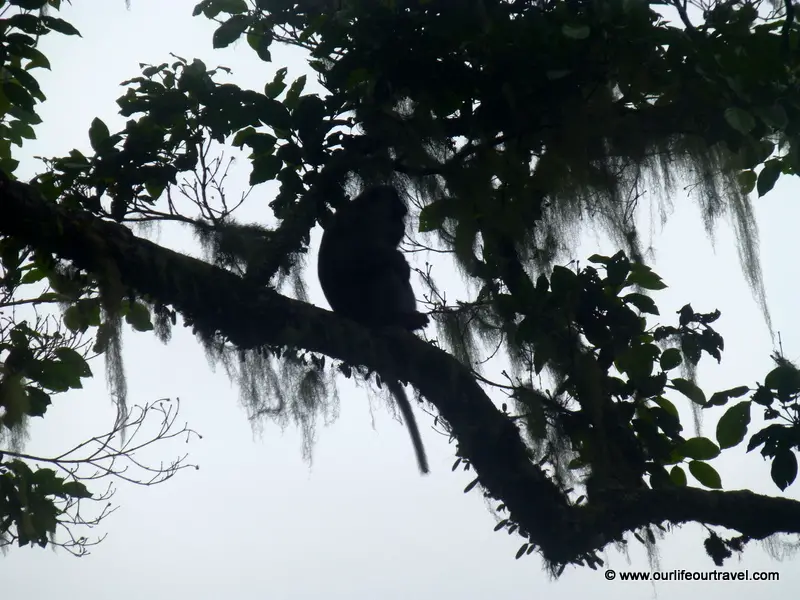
411 423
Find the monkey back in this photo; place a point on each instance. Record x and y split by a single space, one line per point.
362 273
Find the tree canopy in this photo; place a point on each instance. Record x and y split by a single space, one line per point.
506 125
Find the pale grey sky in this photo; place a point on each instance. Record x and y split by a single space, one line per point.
256 521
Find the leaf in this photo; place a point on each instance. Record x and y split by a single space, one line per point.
785 379
666 405
232 7
741 120
774 116
784 469
46 482
553 75
260 39
73 319
747 180
57 376
293 95
274 88
26 80
638 362
660 479
763 396
59 25
433 215
76 489
690 390
98 135
32 276
732 427
599 259
36 60
752 154
699 448
768 176
24 22
670 358
74 360
721 398
644 303
501 524
265 168
13 400
230 31
579 32
618 269
18 95
38 401
705 474
563 281
522 550
644 277
29 4
678 476
773 437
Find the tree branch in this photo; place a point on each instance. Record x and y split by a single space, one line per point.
217 301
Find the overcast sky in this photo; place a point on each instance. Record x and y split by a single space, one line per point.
256 521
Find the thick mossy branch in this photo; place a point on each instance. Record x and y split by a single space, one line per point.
217 301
